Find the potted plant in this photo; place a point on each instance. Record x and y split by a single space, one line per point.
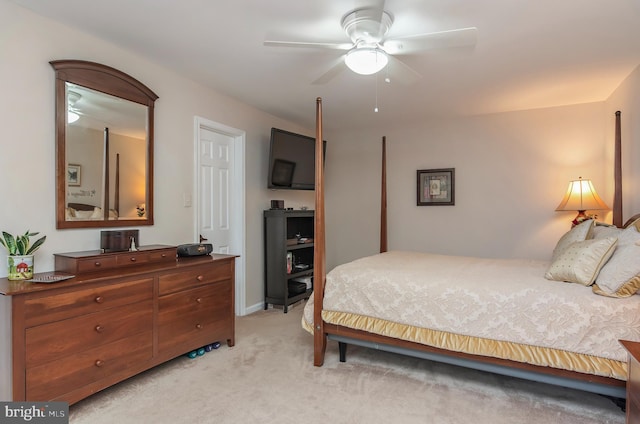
20 251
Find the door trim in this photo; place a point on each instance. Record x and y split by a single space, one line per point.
238 221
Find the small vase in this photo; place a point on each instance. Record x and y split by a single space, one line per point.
20 267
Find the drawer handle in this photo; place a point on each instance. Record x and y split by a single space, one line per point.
99 363
96 263
199 326
200 277
132 259
99 299
199 300
99 328
164 255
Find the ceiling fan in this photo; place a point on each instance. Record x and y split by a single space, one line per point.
369 51
73 114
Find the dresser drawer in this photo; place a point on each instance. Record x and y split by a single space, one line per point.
195 276
48 342
77 264
54 379
132 258
94 264
70 304
203 314
163 255
212 296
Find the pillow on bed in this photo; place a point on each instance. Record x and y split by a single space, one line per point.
634 223
620 277
605 230
84 214
97 213
580 232
581 261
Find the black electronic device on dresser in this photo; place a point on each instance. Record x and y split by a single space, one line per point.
194 249
288 256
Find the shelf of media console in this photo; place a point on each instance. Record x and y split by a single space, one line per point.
298 274
299 246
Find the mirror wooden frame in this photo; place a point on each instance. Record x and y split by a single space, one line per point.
111 81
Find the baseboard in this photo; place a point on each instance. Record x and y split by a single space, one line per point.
255 308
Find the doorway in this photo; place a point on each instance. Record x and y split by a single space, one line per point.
219 200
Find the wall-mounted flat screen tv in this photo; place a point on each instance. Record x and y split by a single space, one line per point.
292 160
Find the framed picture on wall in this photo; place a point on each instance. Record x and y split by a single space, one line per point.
73 175
436 187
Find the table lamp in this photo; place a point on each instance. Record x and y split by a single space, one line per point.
581 196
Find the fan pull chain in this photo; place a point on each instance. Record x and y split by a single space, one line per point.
375 109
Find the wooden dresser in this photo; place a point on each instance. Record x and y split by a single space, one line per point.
633 382
123 313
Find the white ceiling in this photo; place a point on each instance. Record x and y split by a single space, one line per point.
529 53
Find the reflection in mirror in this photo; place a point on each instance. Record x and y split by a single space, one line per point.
104 122
91 115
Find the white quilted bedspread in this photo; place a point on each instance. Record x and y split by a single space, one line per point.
498 299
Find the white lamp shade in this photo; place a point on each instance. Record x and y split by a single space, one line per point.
366 60
581 196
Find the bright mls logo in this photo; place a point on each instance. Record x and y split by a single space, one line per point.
34 412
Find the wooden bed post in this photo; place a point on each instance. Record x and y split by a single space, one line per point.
319 335
383 198
105 207
617 176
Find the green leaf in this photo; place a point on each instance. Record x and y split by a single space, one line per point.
9 243
21 245
36 245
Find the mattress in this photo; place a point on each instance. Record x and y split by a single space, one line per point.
501 308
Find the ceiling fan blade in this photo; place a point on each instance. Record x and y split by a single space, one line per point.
463 37
337 68
398 71
305 44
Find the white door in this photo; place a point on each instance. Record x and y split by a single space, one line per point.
220 194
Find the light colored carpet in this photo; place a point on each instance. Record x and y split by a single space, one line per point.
269 377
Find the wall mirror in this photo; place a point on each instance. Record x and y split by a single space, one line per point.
104 147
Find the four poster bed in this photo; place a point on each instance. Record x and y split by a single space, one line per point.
507 316
84 211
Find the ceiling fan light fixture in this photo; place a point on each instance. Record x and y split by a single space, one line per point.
72 117
366 60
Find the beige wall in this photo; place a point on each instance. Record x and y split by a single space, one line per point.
512 170
27 149
626 99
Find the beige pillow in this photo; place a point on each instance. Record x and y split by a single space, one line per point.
97 213
620 277
634 223
84 214
581 261
604 231
580 232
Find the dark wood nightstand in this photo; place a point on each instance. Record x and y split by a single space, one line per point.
633 382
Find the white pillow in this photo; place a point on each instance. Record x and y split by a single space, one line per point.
604 231
581 261
620 277
97 213
580 232
84 214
